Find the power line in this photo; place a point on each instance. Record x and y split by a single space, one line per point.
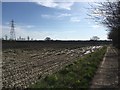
12 31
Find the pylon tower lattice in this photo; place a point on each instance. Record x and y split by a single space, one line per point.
12 31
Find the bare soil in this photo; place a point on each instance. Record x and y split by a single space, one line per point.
23 67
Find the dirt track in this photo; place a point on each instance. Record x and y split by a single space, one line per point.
107 74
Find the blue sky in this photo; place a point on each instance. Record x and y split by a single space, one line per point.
57 20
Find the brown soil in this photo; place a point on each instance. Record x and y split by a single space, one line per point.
23 67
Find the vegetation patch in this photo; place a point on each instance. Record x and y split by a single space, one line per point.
75 75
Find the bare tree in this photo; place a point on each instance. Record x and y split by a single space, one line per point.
28 38
48 39
95 38
6 38
108 14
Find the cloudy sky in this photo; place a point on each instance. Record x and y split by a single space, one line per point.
57 20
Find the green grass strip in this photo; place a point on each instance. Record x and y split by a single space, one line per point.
76 75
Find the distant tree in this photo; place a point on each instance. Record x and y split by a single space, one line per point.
28 38
95 38
6 38
48 39
19 38
32 39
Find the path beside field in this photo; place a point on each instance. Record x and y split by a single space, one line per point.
107 74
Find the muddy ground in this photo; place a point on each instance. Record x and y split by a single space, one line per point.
23 67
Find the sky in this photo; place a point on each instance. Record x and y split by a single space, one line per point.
57 20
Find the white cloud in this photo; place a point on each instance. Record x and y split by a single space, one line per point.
75 19
54 4
47 3
63 15
60 16
59 0
47 16
65 5
29 26
96 26
55 16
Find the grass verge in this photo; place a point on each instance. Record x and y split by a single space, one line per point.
75 75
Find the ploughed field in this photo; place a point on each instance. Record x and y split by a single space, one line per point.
23 66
